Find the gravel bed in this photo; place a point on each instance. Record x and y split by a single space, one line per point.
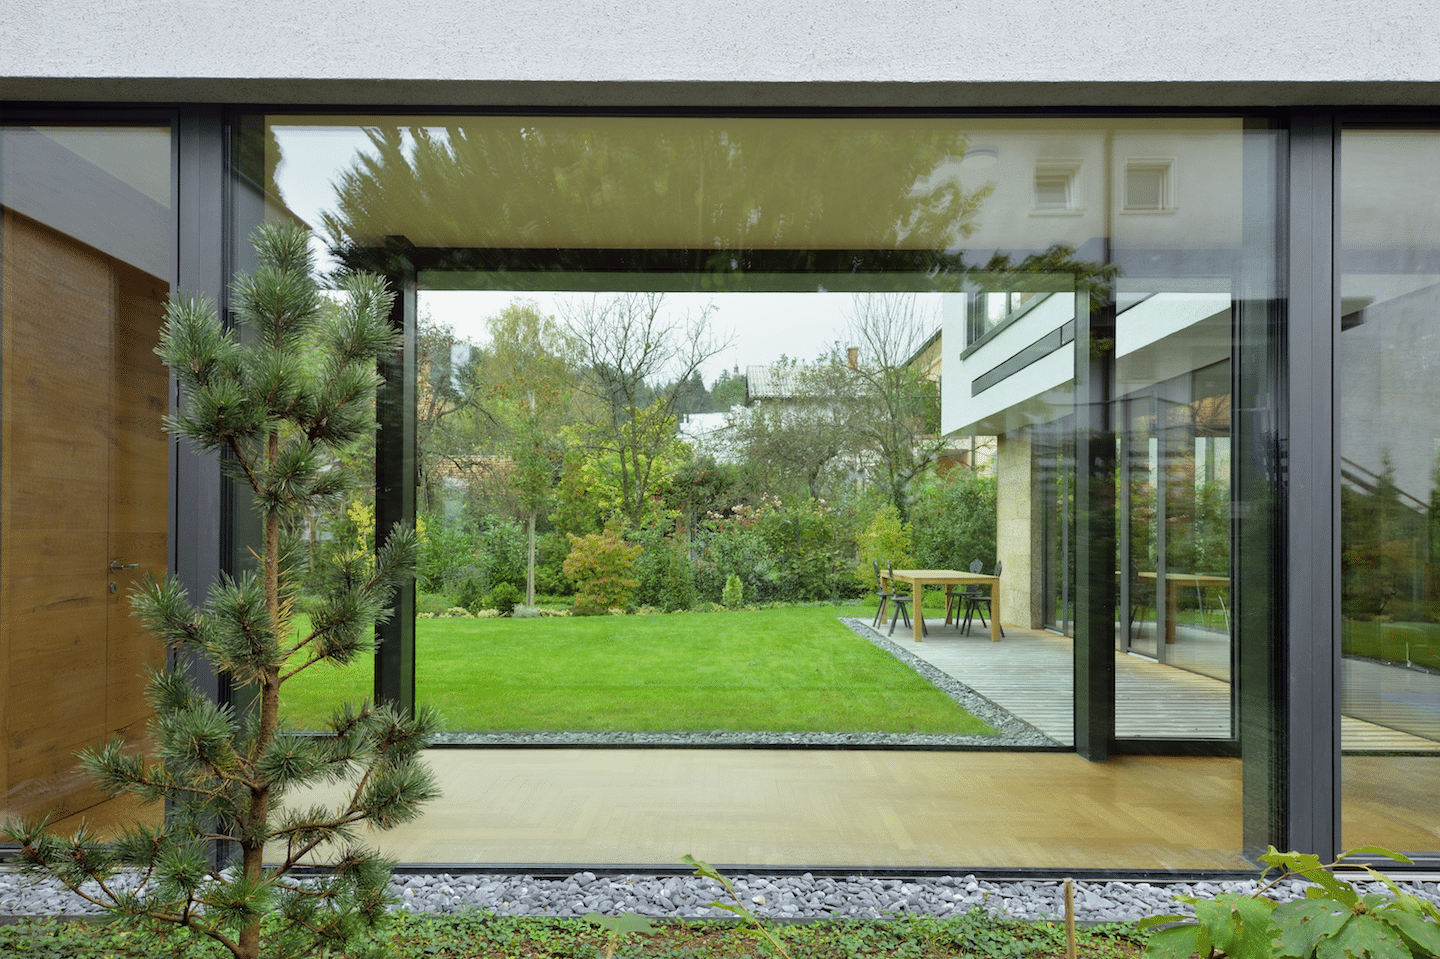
781 898
1012 731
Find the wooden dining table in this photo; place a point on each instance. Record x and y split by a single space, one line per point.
1173 583
920 578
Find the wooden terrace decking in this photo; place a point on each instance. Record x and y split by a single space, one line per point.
1030 674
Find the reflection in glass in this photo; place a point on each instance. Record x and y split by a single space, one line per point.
86 260
1390 487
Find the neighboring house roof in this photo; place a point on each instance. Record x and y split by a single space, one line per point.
774 383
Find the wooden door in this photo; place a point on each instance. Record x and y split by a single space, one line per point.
83 484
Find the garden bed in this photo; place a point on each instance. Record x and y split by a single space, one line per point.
479 935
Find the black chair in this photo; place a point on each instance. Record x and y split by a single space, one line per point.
902 606
885 596
974 601
960 597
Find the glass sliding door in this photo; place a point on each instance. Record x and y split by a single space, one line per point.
1389 602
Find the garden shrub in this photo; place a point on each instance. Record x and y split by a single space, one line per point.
470 594
603 564
780 553
729 547
734 594
887 540
954 520
449 548
809 559
550 579
502 598
665 573
503 550
432 603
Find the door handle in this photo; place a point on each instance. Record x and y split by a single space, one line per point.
116 564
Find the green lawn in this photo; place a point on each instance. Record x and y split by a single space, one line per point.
772 670
1392 641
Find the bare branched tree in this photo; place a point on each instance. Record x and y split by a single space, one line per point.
629 345
800 442
897 426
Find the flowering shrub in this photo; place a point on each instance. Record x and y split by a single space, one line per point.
780 552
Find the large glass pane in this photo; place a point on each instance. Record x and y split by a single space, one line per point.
769 353
86 258
1390 487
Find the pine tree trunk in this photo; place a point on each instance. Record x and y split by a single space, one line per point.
253 853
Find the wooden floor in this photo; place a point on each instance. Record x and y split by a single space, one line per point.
825 808
1030 673
1390 801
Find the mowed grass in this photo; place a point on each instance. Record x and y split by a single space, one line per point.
1418 643
775 670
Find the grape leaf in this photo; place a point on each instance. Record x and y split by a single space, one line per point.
1304 923
1364 937
1421 935
1239 926
1178 942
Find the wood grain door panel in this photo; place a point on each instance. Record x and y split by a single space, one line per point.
83 481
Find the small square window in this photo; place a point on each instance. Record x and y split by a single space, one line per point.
1149 186
1057 186
1052 191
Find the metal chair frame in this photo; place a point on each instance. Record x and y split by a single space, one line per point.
902 606
974 601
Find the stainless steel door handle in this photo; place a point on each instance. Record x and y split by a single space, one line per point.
116 564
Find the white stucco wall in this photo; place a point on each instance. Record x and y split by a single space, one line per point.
733 52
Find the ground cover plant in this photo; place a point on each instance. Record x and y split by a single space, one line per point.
792 669
1333 921
480 935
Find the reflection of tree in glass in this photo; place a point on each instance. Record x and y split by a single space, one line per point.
1382 549
710 186
1054 269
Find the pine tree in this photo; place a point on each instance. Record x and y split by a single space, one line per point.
280 399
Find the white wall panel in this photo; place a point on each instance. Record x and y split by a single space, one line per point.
739 52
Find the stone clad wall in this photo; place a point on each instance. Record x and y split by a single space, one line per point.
1018 532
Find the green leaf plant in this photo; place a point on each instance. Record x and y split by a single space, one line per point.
1333 921
625 924
707 871
279 401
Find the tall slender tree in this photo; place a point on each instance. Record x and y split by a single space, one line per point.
279 400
